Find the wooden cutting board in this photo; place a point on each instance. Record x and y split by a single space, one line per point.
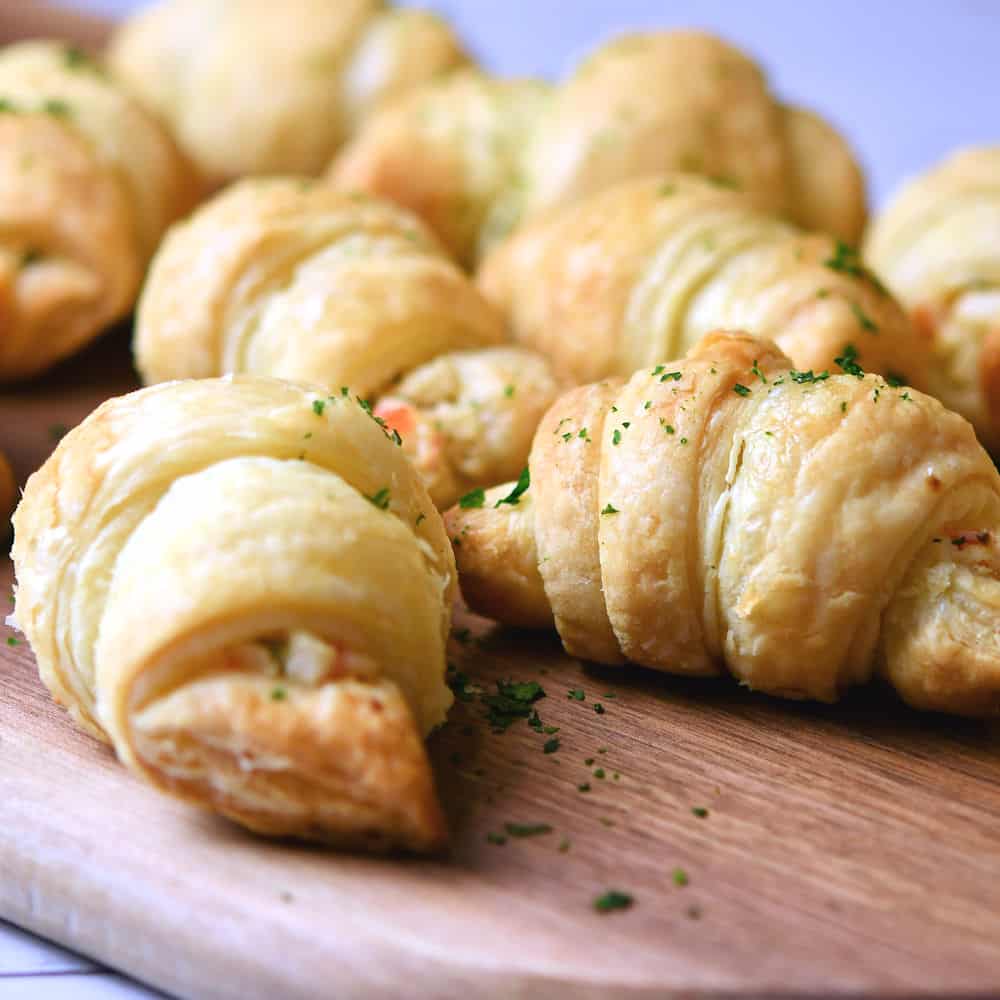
848 849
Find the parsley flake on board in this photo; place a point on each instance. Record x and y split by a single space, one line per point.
613 899
848 362
11 641
576 694
527 829
512 701
551 746
598 708
700 811
473 499
680 877
514 497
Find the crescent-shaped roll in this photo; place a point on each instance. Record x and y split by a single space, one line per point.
801 531
243 586
643 271
937 245
255 87
88 184
294 279
475 155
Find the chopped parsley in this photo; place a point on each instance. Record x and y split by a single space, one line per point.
459 684
278 694
755 370
668 428
420 517
616 437
512 701
514 497
895 380
509 391
846 260
613 900
598 708
473 499
576 694
496 838
848 362
583 787
564 845
551 746
11 641
700 811
864 320
608 509
657 370
319 405
599 773
741 390
680 877
31 256
808 377
671 376
582 433
56 107
380 499
527 829
843 406
684 440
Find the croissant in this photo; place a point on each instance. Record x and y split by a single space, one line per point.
644 270
938 247
800 530
293 279
474 155
254 86
88 184
242 585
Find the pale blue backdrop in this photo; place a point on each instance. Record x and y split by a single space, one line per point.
907 80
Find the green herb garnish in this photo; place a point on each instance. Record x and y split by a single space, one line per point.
514 497
700 811
576 694
680 877
864 320
380 499
613 900
808 377
551 746
473 499
608 509
848 362
527 829
741 390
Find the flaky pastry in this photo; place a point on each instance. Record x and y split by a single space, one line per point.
294 279
257 86
88 183
725 513
643 271
937 246
474 155
242 585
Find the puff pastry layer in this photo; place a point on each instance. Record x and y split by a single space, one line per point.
293 279
88 183
244 587
474 155
938 246
718 514
255 86
641 272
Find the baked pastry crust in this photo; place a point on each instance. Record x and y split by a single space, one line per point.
802 535
88 183
205 572
644 270
937 245
257 87
475 155
294 279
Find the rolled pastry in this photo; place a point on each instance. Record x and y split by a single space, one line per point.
726 512
937 246
293 279
88 184
255 86
474 155
644 270
243 586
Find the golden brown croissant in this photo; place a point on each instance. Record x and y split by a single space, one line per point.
938 246
642 271
244 587
799 530
293 279
474 155
88 184
255 86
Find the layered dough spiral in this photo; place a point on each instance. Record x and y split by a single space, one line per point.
644 270
726 513
88 184
293 279
937 245
474 155
255 86
243 586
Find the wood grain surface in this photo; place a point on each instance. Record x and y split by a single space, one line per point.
849 849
